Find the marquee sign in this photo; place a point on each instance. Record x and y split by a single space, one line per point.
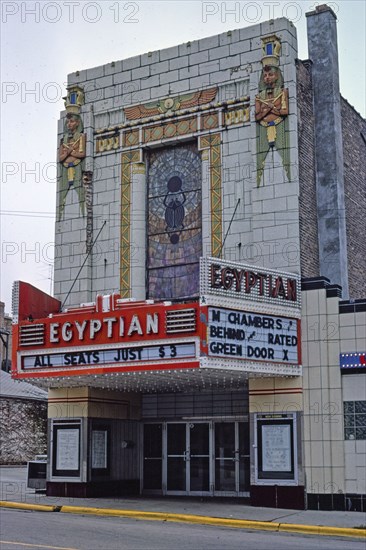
244 282
118 355
110 335
252 336
132 323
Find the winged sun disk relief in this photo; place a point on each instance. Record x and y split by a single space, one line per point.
171 104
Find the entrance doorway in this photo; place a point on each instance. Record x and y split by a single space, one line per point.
187 458
191 458
232 457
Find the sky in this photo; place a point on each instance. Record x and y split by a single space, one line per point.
43 41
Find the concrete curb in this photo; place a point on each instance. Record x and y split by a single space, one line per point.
194 519
181 518
25 506
322 530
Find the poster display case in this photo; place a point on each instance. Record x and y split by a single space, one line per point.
66 449
276 449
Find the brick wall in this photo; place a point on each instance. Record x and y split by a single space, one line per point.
309 252
354 183
354 149
23 424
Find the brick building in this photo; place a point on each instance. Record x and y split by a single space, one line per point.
5 338
211 196
23 420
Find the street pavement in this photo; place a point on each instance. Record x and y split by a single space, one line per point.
192 510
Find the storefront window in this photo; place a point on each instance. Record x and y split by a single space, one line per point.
355 420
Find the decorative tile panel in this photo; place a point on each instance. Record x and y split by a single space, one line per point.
107 143
236 115
170 105
213 143
210 121
130 138
128 159
170 129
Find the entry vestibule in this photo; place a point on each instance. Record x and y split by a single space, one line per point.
196 457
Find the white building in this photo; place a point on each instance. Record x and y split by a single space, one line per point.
205 181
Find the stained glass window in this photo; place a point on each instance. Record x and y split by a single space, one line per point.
174 222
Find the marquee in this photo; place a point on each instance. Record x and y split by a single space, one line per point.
246 323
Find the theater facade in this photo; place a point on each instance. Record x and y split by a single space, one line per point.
192 263
157 397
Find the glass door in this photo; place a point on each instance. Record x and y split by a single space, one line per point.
199 457
176 457
225 455
188 458
231 458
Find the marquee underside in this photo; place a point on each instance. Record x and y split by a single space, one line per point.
175 380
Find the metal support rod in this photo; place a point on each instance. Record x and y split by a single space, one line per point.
84 262
228 229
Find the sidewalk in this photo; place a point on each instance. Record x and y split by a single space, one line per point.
14 494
